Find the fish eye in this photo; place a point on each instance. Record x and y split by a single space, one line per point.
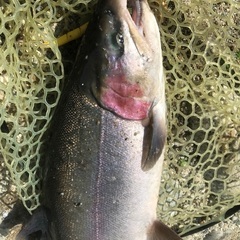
119 39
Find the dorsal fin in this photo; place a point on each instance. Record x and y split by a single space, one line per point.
160 231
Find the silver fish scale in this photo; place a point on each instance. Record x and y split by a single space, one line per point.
94 178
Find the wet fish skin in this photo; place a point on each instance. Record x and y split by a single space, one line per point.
106 152
105 199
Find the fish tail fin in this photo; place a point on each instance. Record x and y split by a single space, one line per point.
160 231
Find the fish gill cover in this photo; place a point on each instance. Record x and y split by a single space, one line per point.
201 50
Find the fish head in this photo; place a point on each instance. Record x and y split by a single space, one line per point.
127 58
122 69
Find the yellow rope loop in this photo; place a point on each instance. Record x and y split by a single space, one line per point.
70 36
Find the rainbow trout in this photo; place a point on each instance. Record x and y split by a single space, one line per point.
106 151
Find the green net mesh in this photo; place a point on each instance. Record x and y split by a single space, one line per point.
31 74
201 49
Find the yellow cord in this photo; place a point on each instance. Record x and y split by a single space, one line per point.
70 36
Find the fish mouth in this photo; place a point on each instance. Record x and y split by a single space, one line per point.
131 11
137 19
135 10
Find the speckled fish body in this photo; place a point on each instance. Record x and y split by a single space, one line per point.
96 188
106 152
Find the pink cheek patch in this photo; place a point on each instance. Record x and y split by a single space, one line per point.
122 97
126 107
125 89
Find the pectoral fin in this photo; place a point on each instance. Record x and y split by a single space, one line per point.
154 137
160 231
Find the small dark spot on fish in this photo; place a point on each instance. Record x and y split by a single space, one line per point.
77 204
126 139
70 142
115 201
108 12
73 104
